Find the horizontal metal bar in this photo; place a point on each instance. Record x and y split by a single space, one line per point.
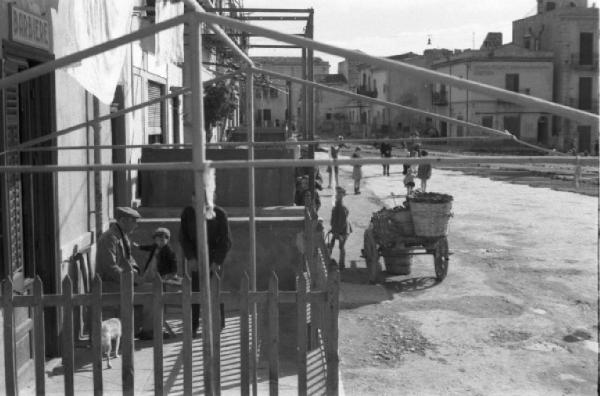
115 114
273 46
275 163
274 18
242 9
258 144
50 66
499 93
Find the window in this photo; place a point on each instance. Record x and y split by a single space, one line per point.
267 114
512 82
273 92
585 93
487 121
155 114
550 6
586 48
328 116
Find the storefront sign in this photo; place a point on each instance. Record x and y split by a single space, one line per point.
30 29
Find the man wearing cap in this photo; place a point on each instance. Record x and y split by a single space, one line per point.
113 255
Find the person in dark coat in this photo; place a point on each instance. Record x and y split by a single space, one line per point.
219 243
162 258
386 152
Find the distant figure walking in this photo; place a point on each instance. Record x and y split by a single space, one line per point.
356 172
409 180
424 172
386 152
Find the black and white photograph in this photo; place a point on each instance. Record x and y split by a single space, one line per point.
299 197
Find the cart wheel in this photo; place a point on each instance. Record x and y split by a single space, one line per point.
371 254
441 268
440 260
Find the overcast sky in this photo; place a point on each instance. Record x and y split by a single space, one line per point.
391 27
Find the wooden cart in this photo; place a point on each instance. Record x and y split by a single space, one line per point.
404 246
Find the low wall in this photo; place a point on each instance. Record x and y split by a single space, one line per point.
277 234
274 186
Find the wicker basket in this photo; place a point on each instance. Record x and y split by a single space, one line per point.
431 219
402 220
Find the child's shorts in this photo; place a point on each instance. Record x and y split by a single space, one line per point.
409 184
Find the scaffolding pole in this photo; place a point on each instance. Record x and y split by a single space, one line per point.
199 163
252 231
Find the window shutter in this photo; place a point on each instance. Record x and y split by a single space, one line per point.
13 180
154 124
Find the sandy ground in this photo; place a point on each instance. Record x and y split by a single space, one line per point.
516 315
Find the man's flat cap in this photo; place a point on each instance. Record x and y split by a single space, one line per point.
126 211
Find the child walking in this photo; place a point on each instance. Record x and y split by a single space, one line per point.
356 172
340 227
424 172
409 181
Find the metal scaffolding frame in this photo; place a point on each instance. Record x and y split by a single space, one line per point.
200 164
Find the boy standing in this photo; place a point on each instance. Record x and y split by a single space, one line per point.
340 227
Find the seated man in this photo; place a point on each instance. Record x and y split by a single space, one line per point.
113 254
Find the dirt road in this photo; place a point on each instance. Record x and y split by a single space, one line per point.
517 314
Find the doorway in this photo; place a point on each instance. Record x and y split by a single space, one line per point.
542 130
31 244
585 138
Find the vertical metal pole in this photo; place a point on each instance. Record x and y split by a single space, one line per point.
199 160
311 102
252 226
304 96
97 160
288 119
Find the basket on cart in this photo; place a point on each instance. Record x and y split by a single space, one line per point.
431 214
389 224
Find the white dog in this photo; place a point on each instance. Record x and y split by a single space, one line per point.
111 330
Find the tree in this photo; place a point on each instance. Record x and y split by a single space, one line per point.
220 101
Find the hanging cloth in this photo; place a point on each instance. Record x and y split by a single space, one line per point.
81 24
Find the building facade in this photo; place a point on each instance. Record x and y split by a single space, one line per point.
47 218
570 30
273 96
509 67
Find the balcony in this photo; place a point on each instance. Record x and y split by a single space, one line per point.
362 90
439 98
589 64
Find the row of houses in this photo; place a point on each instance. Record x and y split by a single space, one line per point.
553 56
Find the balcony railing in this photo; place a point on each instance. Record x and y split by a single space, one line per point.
362 90
588 64
439 98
